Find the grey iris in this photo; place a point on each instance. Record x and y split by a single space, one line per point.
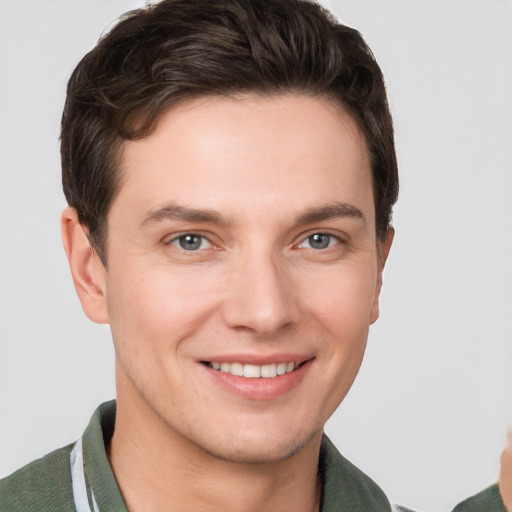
319 240
190 242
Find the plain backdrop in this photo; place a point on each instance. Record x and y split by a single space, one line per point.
427 415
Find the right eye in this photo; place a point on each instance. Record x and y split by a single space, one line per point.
191 242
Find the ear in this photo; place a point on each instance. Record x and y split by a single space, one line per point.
89 274
383 248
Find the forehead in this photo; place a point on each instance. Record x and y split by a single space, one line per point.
249 152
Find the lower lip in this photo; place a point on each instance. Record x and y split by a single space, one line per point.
260 388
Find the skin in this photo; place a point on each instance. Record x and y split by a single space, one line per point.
275 171
505 481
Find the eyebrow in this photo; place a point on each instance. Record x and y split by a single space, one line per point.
331 211
174 211
177 212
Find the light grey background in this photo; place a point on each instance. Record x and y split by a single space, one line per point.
427 415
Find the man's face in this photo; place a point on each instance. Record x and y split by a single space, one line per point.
243 236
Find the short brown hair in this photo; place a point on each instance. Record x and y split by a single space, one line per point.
179 49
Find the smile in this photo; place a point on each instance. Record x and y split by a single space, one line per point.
253 371
251 381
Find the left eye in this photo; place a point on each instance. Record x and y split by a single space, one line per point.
319 241
191 242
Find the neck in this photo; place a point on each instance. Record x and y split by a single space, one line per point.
158 470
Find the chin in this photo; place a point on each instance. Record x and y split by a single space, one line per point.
259 449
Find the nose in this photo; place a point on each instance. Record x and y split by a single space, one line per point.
261 296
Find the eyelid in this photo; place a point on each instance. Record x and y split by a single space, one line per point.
169 239
333 241
340 237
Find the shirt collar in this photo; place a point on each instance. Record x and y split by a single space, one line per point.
98 473
344 487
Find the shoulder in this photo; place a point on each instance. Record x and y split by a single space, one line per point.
43 485
345 484
488 500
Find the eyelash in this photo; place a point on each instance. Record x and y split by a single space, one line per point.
330 236
179 240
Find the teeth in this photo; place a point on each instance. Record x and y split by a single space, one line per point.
268 371
253 371
281 368
236 369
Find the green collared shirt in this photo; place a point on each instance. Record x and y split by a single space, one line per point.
488 500
45 485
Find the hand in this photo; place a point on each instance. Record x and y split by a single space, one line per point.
505 482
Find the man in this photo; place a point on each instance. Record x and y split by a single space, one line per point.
230 172
497 497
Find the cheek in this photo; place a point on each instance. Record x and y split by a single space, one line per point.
342 298
341 305
148 305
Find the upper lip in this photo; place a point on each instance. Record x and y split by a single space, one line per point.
259 359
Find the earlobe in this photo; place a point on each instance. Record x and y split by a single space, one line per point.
383 248
87 270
